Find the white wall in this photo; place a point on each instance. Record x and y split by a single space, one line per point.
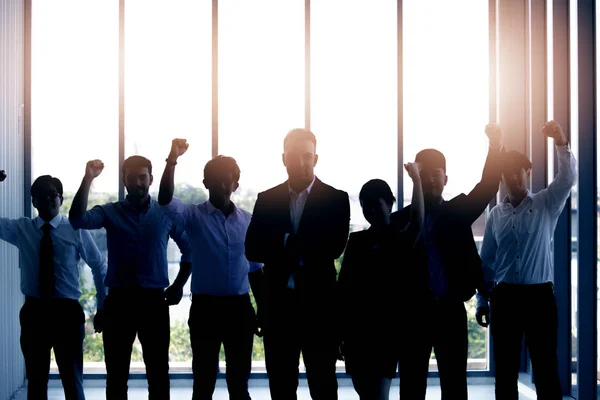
12 368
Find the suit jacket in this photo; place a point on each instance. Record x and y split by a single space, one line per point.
368 290
320 240
454 238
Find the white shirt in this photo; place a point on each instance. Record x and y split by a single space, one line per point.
69 246
517 241
219 263
297 203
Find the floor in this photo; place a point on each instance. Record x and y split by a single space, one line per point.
481 389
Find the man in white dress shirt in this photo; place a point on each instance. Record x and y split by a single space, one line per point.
52 318
517 259
221 311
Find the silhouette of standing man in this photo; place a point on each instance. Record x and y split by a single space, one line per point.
52 318
221 311
137 234
443 272
297 230
517 258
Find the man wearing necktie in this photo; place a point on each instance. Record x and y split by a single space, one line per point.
52 318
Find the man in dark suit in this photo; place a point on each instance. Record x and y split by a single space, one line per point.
442 272
297 230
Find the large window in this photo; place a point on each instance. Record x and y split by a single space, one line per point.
350 103
446 105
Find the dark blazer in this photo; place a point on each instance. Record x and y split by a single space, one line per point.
320 240
368 290
454 238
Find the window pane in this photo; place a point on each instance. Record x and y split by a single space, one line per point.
74 96
168 95
574 142
261 94
261 88
446 104
598 177
354 103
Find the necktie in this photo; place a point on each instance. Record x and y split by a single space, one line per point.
47 282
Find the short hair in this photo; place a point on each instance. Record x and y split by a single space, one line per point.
42 182
376 188
299 134
222 164
136 162
515 160
432 158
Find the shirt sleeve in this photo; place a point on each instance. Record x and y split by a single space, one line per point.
92 219
254 266
8 230
488 258
180 237
178 212
558 191
92 256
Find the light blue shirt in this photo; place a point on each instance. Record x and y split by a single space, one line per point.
219 263
517 243
137 242
69 246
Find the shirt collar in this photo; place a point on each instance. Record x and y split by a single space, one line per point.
128 203
210 208
54 221
506 199
308 189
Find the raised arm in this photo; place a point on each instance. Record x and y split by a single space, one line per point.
167 182
8 227
558 191
79 206
481 195
417 210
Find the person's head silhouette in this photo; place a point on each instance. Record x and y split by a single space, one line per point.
300 157
433 173
376 199
47 196
137 177
515 172
221 178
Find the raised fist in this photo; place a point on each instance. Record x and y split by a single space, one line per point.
494 133
413 169
2 175
178 148
93 168
552 129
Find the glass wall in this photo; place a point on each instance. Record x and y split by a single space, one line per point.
261 96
